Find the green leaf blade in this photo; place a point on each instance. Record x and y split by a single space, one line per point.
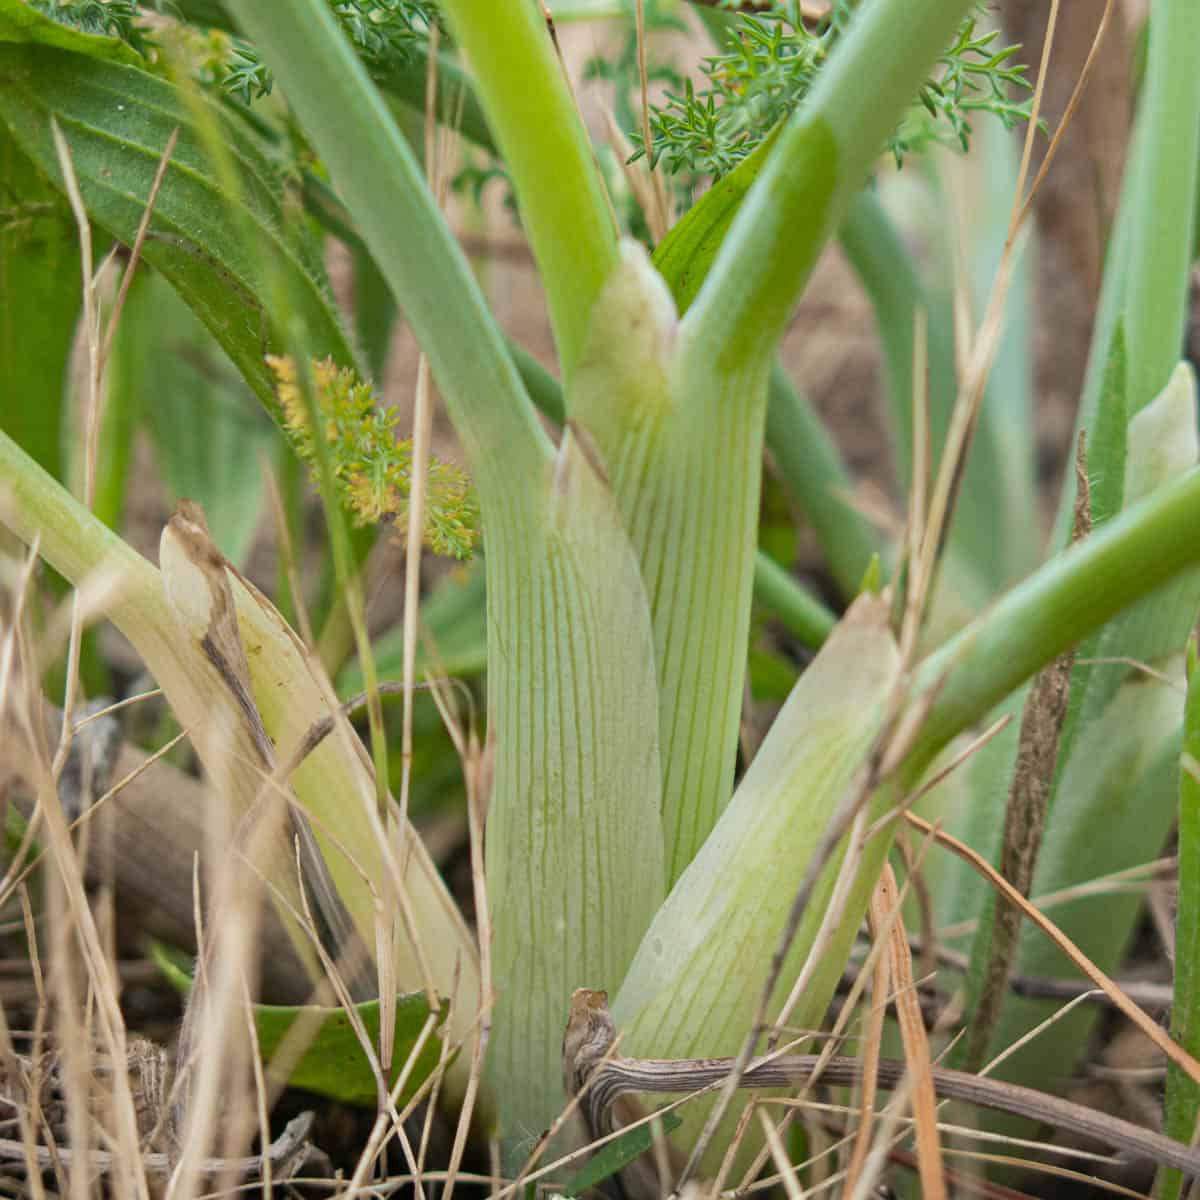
1182 1101
116 121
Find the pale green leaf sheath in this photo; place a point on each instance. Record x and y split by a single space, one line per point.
574 854
684 455
738 889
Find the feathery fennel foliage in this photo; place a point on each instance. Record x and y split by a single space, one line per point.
385 33
114 18
770 60
373 470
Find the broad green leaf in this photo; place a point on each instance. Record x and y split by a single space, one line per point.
684 453
1182 1101
617 1155
21 23
39 305
333 1063
211 439
116 120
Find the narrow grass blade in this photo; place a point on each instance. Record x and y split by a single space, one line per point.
1182 1102
1114 797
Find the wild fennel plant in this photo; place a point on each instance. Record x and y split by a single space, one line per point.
620 558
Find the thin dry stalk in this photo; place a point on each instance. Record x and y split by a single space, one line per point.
779 1155
885 1138
77 946
957 761
1025 813
91 324
388 1117
1133 879
466 744
983 351
135 253
872 1046
1072 105
438 1075
260 1090
1176 1053
612 1077
912 1031
213 1056
836 1037
1030 1034
287 553
18 874
658 217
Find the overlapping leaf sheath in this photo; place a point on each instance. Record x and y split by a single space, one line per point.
696 980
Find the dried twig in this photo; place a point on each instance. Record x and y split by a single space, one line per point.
1025 813
591 1036
1120 1000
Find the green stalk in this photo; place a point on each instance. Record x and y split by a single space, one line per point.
417 254
1157 289
681 432
804 615
1183 1095
1106 353
814 171
1079 591
812 467
549 158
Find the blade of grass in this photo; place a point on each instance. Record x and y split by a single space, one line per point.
1182 1103
1156 297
